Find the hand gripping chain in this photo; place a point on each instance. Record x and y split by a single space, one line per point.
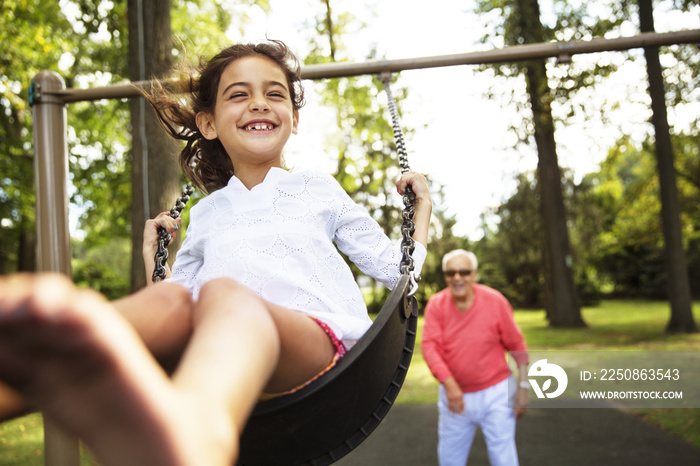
164 237
407 227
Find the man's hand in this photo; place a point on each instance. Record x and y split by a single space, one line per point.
455 401
520 402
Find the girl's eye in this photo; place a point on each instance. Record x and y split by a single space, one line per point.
276 94
236 95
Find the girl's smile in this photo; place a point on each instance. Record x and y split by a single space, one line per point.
259 126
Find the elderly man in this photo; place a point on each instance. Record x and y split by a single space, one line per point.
468 329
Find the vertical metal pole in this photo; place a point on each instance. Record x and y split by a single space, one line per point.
53 237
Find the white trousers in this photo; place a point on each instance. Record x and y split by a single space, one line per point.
492 411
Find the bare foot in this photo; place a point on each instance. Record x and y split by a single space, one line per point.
72 355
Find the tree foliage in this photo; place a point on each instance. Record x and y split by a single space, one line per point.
513 251
562 21
367 162
631 252
615 235
617 242
615 214
35 36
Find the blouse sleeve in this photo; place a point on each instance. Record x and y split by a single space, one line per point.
361 238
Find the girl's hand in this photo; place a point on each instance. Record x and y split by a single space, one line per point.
418 183
423 205
150 241
150 232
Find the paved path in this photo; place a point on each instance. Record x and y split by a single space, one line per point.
545 437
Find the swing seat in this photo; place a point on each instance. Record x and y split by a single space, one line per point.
325 420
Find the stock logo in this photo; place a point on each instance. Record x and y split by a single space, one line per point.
542 368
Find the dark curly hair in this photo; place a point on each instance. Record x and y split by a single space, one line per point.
177 103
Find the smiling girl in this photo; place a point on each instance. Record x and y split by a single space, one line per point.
259 296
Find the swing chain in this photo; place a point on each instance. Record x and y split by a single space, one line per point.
164 237
408 197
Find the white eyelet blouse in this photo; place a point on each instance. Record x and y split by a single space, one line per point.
277 239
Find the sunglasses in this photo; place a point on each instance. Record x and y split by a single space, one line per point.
462 273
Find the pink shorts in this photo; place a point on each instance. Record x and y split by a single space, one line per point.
340 351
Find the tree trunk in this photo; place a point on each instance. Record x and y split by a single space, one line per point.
561 302
677 281
155 172
26 251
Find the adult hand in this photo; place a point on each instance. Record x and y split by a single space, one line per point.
455 399
520 402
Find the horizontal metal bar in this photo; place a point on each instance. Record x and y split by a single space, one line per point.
504 55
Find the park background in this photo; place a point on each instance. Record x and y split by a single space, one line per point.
469 128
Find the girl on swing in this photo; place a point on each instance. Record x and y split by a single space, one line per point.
259 301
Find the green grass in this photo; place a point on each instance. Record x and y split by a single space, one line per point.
614 325
22 443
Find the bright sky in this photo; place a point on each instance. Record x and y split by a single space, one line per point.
462 140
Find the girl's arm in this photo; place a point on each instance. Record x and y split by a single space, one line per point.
423 205
150 241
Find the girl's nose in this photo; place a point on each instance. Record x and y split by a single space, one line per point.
259 105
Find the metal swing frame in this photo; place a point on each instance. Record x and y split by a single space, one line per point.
48 97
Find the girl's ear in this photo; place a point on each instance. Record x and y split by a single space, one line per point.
205 123
295 121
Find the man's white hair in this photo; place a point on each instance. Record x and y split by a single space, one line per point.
460 252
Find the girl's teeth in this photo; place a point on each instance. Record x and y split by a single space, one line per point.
259 126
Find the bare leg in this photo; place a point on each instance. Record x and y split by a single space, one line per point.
69 352
162 316
233 364
76 358
306 349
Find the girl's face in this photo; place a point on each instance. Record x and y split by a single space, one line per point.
253 117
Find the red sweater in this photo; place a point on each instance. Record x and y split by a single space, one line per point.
471 345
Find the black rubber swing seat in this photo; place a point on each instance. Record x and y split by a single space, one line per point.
325 420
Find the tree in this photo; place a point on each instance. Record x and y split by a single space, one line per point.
155 176
626 258
679 286
629 250
687 148
567 21
512 254
35 35
99 159
522 25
